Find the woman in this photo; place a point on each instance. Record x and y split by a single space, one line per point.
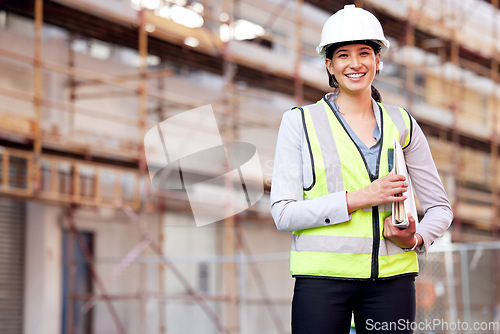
333 188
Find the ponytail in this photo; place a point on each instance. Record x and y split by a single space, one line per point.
376 94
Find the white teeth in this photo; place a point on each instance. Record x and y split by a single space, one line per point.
356 75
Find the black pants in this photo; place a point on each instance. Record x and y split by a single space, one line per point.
324 306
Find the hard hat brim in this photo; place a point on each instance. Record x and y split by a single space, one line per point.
384 45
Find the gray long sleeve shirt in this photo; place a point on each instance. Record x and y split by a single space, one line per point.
292 170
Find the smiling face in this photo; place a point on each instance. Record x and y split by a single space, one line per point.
354 67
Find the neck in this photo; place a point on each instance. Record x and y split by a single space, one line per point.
355 104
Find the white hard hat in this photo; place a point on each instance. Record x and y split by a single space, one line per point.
352 24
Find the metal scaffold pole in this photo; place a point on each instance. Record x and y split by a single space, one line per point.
495 78
72 83
143 110
454 98
457 157
230 271
299 86
71 263
162 307
37 98
409 40
410 71
143 90
494 125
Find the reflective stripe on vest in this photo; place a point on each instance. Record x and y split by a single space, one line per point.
354 249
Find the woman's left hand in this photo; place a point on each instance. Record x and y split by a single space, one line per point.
402 238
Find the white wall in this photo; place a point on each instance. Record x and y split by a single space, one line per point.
43 276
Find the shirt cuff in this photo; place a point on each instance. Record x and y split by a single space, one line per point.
426 243
338 213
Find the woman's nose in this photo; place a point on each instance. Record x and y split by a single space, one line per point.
354 62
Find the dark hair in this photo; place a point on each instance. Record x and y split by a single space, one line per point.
329 54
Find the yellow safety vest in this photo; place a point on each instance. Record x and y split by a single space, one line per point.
355 249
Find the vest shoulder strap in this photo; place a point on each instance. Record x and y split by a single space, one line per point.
402 120
313 109
311 146
312 140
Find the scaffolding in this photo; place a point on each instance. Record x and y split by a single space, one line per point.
75 175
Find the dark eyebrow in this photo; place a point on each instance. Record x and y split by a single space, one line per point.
362 48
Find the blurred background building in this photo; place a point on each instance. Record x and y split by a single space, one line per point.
88 246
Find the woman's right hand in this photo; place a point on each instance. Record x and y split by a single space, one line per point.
380 191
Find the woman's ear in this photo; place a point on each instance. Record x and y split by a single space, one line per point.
329 65
377 61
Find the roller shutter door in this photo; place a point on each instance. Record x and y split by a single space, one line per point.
12 225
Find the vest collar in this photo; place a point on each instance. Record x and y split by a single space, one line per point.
332 97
